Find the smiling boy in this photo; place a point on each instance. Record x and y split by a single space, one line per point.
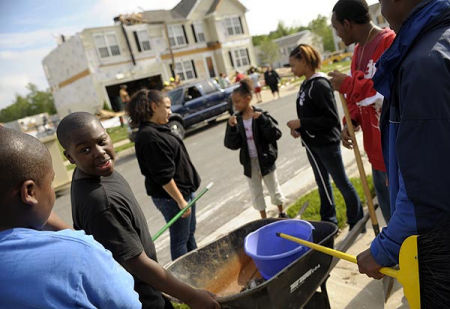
104 206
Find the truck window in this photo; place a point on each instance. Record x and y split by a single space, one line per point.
176 96
192 93
208 86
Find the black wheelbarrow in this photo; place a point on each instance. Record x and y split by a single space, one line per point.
222 267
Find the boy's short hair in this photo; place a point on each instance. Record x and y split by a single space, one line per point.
71 123
356 11
22 157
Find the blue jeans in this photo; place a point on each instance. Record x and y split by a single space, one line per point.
382 191
182 238
329 162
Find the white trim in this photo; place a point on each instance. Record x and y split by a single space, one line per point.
141 41
170 28
233 25
371 100
107 45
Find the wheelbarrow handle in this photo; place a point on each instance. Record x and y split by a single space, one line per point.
336 253
181 212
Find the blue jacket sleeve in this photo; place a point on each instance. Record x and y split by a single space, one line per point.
104 282
386 246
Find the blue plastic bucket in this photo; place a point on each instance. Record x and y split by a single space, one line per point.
272 253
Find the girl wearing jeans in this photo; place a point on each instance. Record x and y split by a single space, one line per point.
319 128
255 133
170 176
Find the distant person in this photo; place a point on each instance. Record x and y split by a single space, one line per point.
124 96
318 126
272 79
170 177
351 20
224 81
238 77
104 205
43 269
254 77
255 133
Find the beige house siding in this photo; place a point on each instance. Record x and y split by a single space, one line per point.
76 67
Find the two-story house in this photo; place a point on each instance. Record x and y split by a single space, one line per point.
197 39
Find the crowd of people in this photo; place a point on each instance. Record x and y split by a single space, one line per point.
108 259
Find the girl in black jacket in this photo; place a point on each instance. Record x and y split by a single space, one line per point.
170 177
319 128
255 133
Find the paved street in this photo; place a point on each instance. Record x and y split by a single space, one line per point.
230 195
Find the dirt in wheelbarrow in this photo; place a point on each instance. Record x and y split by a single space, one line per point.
234 276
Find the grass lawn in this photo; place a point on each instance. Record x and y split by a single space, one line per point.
313 210
118 133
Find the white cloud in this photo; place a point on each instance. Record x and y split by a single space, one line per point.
23 40
18 69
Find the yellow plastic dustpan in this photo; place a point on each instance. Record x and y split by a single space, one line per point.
407 275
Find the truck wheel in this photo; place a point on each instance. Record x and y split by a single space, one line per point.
177 128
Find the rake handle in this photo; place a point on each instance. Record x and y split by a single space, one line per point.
362 172
388 271
181 212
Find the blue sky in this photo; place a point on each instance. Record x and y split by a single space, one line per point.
30 27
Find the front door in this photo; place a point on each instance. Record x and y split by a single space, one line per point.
210 64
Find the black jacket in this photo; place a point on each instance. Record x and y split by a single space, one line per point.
316 109
271 78
265 135
163 156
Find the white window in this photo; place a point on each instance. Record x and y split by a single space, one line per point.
233 25
185 70
199 33
176 36
106 44
241 57
144 40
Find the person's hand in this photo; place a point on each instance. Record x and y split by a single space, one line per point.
203 300
337 78
232 121
347 141
294 133
256 115
294 124
367 265
182 204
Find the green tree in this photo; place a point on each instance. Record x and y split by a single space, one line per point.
35 102
270 52
321 27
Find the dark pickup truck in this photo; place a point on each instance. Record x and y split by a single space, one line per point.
193 103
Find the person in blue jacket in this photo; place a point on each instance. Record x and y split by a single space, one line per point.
414 78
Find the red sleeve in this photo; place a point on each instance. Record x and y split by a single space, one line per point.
352 108
357 88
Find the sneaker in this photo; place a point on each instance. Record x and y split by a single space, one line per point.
282 215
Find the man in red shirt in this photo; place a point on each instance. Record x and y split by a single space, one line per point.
352 23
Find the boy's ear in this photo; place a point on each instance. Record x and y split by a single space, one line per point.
67 155
28 192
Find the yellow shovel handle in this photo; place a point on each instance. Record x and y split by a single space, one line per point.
338 254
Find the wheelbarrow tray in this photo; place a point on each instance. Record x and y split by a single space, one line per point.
223 268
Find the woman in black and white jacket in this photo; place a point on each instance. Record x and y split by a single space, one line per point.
319 128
